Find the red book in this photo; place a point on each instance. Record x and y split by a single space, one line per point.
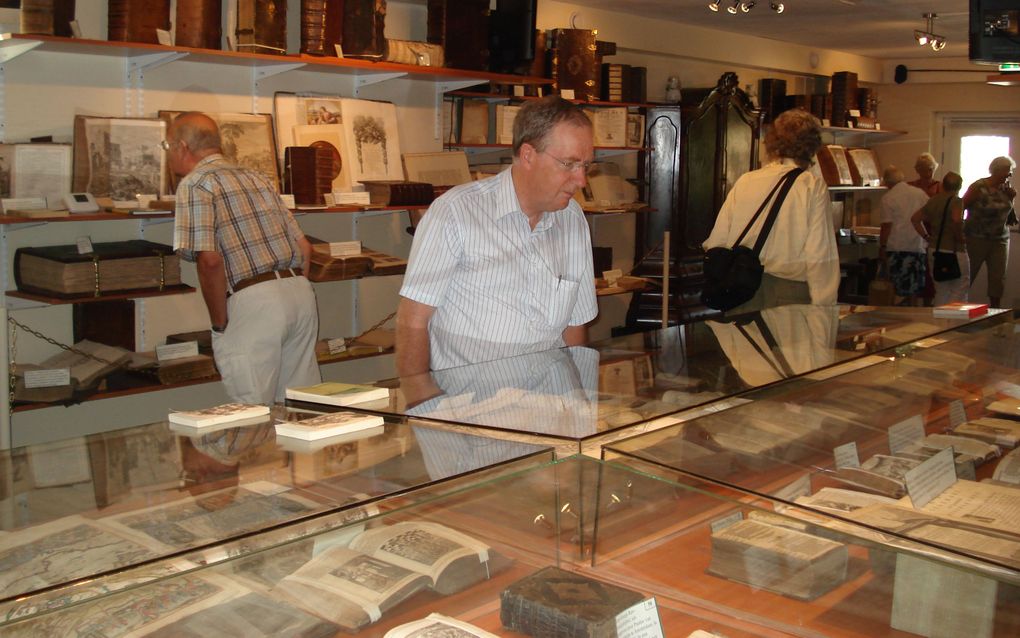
960 310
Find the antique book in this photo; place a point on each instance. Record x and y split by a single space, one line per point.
199 366
135 264
987 505
462 28
779 559
610 126
327 425
959 310
47 17
772 97
505 116
90 364
556 602
844 96
881 474
328 267
864 167
262 26
636 87
399 193
203 337
137 20
573 63
838 501
1004 433
383 264
35 171
614 80
474 122
414 52
308 174
834 165
321 26
354 586
335 393
978 450
437 625
232 413
198 24
363 26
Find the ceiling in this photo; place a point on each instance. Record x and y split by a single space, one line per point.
882 29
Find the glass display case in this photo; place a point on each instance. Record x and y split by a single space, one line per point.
487 560
580 398
920 446
76 510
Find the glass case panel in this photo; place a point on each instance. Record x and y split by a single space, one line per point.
494 553
578 399
76 509
921 445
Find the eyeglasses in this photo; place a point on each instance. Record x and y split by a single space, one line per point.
166 145
571 165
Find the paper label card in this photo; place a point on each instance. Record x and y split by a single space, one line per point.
518 90
612 276
163 37
336 346
84 245
288 200
720 524
957 415
50 378
906 433
846 455
640 621
171 351
567 94
931 478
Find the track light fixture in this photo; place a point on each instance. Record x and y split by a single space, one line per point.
927 37
744 6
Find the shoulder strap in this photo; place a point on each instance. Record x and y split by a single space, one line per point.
783 368
787 182
758 212
942 226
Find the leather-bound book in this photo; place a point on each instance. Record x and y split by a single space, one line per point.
299 174
399 193
262 26
137 20
198 24
462 27
573 63
364 21
47 17
844 96
322 24
555 602
636 87
772 96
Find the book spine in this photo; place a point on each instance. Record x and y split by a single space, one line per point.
198 24
262 26
573 63
321 26
37 16
363 24
137 20
461 27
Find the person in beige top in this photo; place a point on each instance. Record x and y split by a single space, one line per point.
928 222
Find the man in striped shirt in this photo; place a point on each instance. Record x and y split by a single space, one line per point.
249 253
503 266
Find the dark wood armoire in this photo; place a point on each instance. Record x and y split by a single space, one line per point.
695 152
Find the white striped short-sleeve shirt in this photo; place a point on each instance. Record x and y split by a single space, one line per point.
499 287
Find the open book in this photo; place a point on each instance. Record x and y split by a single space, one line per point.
439 626
354 586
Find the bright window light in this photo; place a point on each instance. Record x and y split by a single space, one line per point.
976 152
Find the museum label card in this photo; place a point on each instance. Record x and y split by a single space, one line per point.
171 351
931 478
288 200
957 415
639 621
47 378
846 455
84 245
336 346
720 524
567 94
906 433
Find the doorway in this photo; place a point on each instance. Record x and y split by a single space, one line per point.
968 144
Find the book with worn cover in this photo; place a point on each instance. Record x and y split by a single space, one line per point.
779 559
137 20
308 174
262 26
328 425
199 24
555 602
1004 433
335 393
573 63
47 17
363 24
232 413
321 26
462 28
399 193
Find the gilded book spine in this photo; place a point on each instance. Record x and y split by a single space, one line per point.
198 23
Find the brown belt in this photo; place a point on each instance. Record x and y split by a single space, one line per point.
267 276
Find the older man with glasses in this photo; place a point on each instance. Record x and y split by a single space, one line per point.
503 266
249 253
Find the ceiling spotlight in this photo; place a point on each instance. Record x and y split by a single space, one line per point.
733 10
921 37
937 44
747 6
714 5
928 37
778 7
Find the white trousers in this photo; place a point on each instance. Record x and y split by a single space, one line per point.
269 343
954 289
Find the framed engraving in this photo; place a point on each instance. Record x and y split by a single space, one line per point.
370 130
118 157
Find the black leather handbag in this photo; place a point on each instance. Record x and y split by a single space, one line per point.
945 266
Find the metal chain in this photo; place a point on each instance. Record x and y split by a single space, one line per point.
54 342
12 381
379 324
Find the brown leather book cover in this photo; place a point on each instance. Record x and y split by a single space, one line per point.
462 28
47 17
137 20
573 63
198 24
399 193
834 165
299 174
844 96
322 24
364 21
262 26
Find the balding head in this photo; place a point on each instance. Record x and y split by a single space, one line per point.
192 137
892 176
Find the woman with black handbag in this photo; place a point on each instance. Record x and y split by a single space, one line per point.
943 216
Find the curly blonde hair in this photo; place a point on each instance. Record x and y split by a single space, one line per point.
795 134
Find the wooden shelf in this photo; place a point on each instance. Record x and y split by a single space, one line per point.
13 44
501 96
128 294
92 217
496 147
